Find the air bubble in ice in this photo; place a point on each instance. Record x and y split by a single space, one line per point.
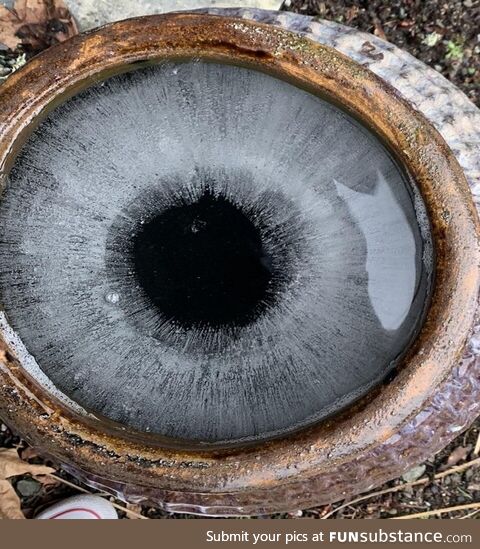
112 297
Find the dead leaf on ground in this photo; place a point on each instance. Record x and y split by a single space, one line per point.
11 466
28 453
47 481
352 13
459 454
135 509
10 506
378 29
35 24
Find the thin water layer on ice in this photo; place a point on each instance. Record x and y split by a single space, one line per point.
208 253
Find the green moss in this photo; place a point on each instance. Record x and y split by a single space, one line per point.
454 51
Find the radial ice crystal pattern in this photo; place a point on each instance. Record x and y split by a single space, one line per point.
211 254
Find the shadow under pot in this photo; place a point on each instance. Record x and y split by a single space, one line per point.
231 268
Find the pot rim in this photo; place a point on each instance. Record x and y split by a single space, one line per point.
63 70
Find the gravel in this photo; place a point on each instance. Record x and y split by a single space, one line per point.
444 35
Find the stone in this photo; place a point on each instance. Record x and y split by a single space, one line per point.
28 487
414 474
91 13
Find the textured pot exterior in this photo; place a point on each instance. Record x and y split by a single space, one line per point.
369 443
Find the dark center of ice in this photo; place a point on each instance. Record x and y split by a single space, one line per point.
204 264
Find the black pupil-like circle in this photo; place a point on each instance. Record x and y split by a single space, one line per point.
204 263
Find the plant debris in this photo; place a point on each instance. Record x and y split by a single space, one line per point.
12 466
10 62
33 25
460 453
444 35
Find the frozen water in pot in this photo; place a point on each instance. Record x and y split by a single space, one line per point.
209 253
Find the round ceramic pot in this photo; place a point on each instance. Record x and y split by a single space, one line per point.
397 424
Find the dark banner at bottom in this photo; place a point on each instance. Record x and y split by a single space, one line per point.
240 534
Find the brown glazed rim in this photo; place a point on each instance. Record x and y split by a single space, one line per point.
274 475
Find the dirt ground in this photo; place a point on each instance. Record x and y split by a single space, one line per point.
442 34
445 35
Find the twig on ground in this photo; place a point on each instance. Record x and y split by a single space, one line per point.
375 494
458 468
470 515
476 451
425 480
434 512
